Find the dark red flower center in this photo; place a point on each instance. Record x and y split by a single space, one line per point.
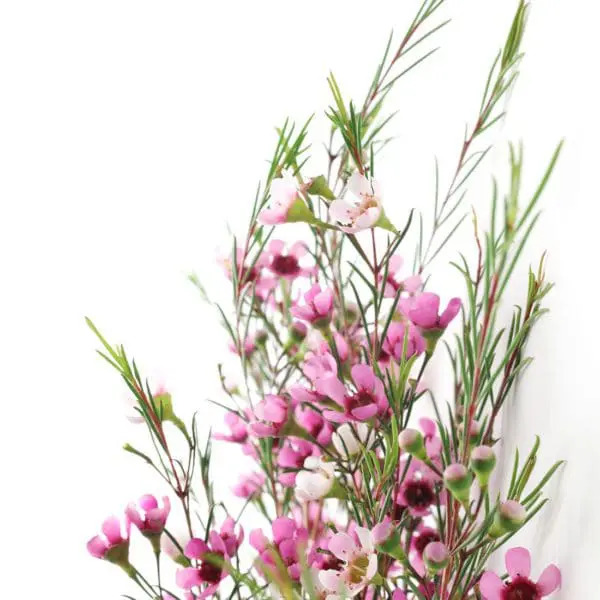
248 275
210 567
360 399
332 562
521 588
426 538
419 494
285 265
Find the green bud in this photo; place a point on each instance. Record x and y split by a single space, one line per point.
436 557
458 480
411 441
509 517
483 461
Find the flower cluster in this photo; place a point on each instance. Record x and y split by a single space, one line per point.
358 480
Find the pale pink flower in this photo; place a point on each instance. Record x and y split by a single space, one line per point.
289 540
113 543
393 345
350 439
286 263
423 311
519 586
249 486
359 562
393 285
319 364
317 308
238 429
270 416
247 273
366 402
147 516
284 192
361 206
315 480
433 443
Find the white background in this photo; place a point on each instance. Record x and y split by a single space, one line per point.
130 132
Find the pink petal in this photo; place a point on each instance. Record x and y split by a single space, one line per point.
283 527
428 426
395 264
412 284
287 549
363 377
258 540
330 579
518 562
332 387
188 578
549 580
364 413
340 210
335 416
369 218
196 548
451 311
276 247
97 547
111 528
342 546
272 216
298 250
491 586
148 502
283 191
323 302
359 185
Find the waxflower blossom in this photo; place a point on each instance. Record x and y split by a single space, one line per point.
230 537
359 562
284 194
317 308
286 264
421 538
519 586
366 402
209 572
393 344
289 540
314 424
393 285
360 208
319 364
292 456
315 480
423 311
270 416
417 492
238 429
349 439
151 519
249 486
113 544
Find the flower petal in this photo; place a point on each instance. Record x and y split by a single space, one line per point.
359 185
342 211
276 246
491 586
196 548
283 528
363 377
111 528
342 545
331 386
549 580
518 562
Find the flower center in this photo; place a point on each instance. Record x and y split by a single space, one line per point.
285 265
521 588
419 494
360 399
424 539
210 567
357 569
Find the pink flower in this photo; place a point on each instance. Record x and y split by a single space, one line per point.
361 207
284 193
433 444
423 311
319 364
113 544
209 571
249 485
231 539
151 521
314 423
286 264
248 347
393 285
270 416
399 595
520 586
368 401
318 307
238 428
292 456
421 538
417 492
393 344
246 273
359 562
288 541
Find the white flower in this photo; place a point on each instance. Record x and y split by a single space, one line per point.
361 206
316 480
349 440
360 565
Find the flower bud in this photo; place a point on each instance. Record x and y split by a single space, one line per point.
352 312
483 461
349 440
436 556
458 480
260 338
387 539
411 441
298 332
474 431
509 517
